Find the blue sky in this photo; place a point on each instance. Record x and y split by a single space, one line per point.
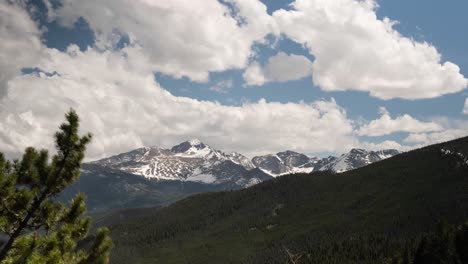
441 24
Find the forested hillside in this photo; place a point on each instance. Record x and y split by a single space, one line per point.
376 214
108 189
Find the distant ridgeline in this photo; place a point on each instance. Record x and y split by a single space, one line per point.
405 209
153 176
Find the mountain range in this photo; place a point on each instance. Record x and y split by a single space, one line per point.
155 176
195 161
190 161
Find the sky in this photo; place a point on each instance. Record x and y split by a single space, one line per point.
315 76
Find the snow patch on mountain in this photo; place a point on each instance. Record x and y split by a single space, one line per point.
203 178
240 160
357 158
448 152
191 161
289 162
194 161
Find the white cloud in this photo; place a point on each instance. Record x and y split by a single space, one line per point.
281 68
222 87
453 129
387 144
465 109
354 50
115 92
385 125
425 139
124 108
180 38
20 44
253 75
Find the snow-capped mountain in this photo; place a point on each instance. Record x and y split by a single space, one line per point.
194 161
288 162
158 176
191 161
357 158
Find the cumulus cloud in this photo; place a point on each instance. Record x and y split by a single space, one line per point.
387 144
424 139
253 75
115 92
385 125
20 44
453 129
125 108
180 38
281 68
355 50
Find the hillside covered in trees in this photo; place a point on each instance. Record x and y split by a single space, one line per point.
387 212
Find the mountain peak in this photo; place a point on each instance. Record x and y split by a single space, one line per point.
194 142
188 145
287 153
358 151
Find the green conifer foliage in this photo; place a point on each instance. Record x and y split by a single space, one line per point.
461 242
437 247
37 228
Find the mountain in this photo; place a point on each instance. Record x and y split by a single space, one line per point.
367 215
155 176
108 188
194 161
289 162
190 161
356 158
286 162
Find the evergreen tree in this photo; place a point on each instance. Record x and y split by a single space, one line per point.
437 248
38 228
461 243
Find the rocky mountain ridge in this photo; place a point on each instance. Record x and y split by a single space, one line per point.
155 176
195 161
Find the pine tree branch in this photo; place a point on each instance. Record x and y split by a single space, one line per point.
24 223
10 212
